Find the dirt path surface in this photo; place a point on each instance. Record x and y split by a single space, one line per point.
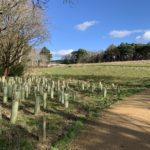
124 126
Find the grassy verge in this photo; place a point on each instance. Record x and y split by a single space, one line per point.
93 111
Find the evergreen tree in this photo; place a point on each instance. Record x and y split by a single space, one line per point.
46 54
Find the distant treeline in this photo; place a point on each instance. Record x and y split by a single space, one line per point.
123 52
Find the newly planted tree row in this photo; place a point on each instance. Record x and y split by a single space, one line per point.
16 90
35 94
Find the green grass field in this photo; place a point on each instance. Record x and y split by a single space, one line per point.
63 124
135 73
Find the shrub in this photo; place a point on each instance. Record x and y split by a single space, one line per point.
17 70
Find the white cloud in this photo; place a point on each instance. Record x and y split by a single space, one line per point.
62 52
138 38
144 37
119 34
123 33
85 25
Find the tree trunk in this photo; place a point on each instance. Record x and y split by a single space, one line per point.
6 72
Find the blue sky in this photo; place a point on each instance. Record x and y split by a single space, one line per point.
95 24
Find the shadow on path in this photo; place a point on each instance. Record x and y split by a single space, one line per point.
124 126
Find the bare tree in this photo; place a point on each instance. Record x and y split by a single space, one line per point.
22 30
33 58
8 5
21 26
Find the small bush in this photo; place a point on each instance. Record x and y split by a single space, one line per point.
1 71
16 70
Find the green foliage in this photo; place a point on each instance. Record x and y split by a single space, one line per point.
127 51
24 144
123 52
71 131
46 52
1 71
54 148
76 56
3 142
17 70
51 126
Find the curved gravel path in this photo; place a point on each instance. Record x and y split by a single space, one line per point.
124 126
